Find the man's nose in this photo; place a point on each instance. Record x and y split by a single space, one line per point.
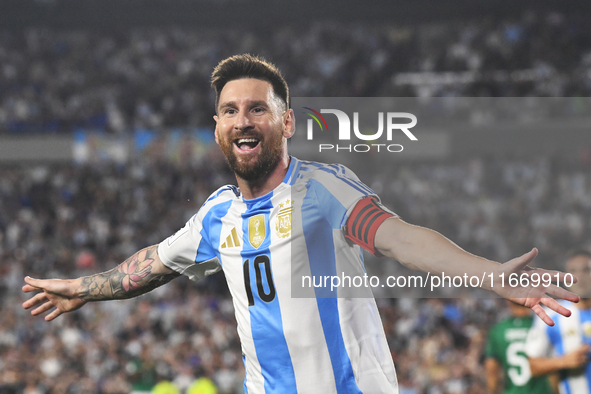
243 121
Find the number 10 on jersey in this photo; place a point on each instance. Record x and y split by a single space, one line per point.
267 295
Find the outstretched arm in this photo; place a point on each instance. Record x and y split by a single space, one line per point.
427 250
139 274
546 365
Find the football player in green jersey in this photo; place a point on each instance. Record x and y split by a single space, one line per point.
505 356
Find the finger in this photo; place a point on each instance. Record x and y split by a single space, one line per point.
53 315
542 315
43 308
559 292
29 288
555 276
527 258
555 306
36 300
33 282
522 261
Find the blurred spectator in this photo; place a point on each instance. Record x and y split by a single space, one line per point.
56 81
64 221
49 226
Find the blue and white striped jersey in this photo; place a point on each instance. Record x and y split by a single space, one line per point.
290 345
565 336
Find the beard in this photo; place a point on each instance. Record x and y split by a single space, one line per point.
247 168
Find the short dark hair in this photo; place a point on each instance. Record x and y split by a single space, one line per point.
248 66
578 252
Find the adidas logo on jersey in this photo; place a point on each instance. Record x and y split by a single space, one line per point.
232 240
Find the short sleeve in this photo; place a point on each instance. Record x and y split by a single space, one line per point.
337 189
188 252
348 204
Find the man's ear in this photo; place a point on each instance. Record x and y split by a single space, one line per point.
288 123
215 117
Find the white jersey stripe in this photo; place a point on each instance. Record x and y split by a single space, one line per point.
322 263
313 358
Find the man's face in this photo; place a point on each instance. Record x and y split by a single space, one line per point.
251 127
580 266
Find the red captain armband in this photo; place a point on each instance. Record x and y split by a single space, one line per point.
364 221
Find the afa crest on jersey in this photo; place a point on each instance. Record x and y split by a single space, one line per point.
283 221
256 230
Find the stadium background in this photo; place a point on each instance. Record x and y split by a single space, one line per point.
96 97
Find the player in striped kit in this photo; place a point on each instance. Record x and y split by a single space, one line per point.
565 347
319 214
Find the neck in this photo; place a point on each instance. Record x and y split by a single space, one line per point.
260 187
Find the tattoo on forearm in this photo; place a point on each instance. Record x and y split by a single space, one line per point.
131 278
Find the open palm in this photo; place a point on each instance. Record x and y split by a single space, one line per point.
53 293
530 295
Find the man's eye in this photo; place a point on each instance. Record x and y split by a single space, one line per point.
258 110
229 111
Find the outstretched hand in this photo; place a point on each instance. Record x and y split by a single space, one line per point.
534 296
53 293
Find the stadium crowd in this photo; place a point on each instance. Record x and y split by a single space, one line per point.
66 221
56 81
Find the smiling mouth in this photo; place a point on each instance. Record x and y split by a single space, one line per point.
246 144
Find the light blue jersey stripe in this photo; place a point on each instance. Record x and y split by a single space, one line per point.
311 164
556 338
343 176
320 247
585 317
296 171
212 231
245 375
290 171
265 316
566 386
364 190
234 190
